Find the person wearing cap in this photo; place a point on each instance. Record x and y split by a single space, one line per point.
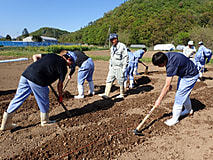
45 70
177 65
189 50
130 69
202 57
117 66
85 71
138 54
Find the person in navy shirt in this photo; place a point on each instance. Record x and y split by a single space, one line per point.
177 65
45 70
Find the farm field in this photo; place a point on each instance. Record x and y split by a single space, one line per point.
101 129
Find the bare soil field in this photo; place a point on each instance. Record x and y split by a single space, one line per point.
101 129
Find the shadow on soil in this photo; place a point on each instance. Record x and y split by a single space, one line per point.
196 106
7 92
91 107
140 86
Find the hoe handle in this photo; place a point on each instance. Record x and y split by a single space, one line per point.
147 116
65 84
58 97
142 63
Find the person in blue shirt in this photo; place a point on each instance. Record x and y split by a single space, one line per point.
177 65
202 57
138 55
129 70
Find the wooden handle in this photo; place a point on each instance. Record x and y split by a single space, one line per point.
147 116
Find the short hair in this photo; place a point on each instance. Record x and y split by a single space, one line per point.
144 49
65 55
159 58
63 52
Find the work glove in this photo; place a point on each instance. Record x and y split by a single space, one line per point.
60 99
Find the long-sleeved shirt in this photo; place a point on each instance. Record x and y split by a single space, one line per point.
202 54
119 56
188 52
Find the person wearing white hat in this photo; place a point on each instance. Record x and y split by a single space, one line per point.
189 50
202 57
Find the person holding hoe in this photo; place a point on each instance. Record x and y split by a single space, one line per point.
202 57
185 69
45 70
138 55
85 72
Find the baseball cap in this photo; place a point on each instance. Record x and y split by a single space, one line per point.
200 43
190 43
113 36
72 55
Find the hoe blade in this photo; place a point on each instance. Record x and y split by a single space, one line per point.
136 132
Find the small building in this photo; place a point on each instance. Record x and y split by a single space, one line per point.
44 39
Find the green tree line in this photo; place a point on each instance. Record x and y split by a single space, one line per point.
151 22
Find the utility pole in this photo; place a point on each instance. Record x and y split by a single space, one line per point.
107 39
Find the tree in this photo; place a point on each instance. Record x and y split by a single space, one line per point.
8 38
25 32
37 39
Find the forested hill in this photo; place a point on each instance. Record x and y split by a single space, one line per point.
151 22
49 32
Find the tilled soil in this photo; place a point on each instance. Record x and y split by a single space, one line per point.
101 129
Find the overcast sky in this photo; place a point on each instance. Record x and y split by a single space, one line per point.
69 15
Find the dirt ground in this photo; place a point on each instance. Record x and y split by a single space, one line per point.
101 129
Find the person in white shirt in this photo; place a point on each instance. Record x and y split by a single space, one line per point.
189 50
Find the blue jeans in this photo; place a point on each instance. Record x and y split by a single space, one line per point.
25 88
85 71
129 71
184 88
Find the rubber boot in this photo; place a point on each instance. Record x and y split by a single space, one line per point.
188 108
135 71
91 88
175 115
7 122
80 92
125 85
107 91
131 84
121 95
45 119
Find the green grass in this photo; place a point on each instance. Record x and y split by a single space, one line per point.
18 53
102 58
30 51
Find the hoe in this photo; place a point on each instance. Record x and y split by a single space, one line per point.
66 110
138 131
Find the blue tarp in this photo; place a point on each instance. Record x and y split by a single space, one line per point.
13 60
24 44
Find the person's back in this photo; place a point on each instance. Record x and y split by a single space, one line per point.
46 70
180 65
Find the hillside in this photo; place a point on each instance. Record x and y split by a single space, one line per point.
150 22
49 32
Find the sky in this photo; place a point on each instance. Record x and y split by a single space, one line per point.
68 15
